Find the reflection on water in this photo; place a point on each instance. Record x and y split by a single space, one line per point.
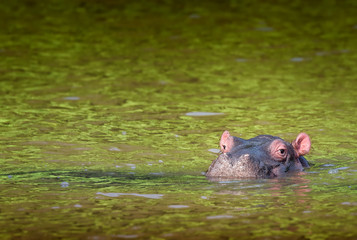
111 113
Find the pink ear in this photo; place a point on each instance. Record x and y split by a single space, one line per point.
302 144
226 142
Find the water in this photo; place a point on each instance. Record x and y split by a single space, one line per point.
111 112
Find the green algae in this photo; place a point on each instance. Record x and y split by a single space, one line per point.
94 97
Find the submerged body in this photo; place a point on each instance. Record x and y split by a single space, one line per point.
264 156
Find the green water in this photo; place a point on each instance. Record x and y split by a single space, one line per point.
97 139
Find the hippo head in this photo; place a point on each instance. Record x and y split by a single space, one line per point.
263 156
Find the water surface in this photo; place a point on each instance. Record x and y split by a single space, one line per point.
111 112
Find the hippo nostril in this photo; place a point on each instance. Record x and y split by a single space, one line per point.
261 164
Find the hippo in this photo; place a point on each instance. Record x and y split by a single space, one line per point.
264 156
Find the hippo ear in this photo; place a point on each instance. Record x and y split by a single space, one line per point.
302 144
226 142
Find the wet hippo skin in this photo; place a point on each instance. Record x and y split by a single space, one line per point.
264 156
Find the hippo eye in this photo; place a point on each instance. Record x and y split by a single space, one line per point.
279 150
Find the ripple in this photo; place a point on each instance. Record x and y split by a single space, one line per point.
328 165
64 184
157 173
219 217
297 59
71 98
114 149
152 196
200 114
132 166
336 170
178 206
214 150
333 171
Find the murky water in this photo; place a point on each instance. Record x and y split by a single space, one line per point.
111 113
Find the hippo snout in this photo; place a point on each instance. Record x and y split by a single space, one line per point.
226 165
